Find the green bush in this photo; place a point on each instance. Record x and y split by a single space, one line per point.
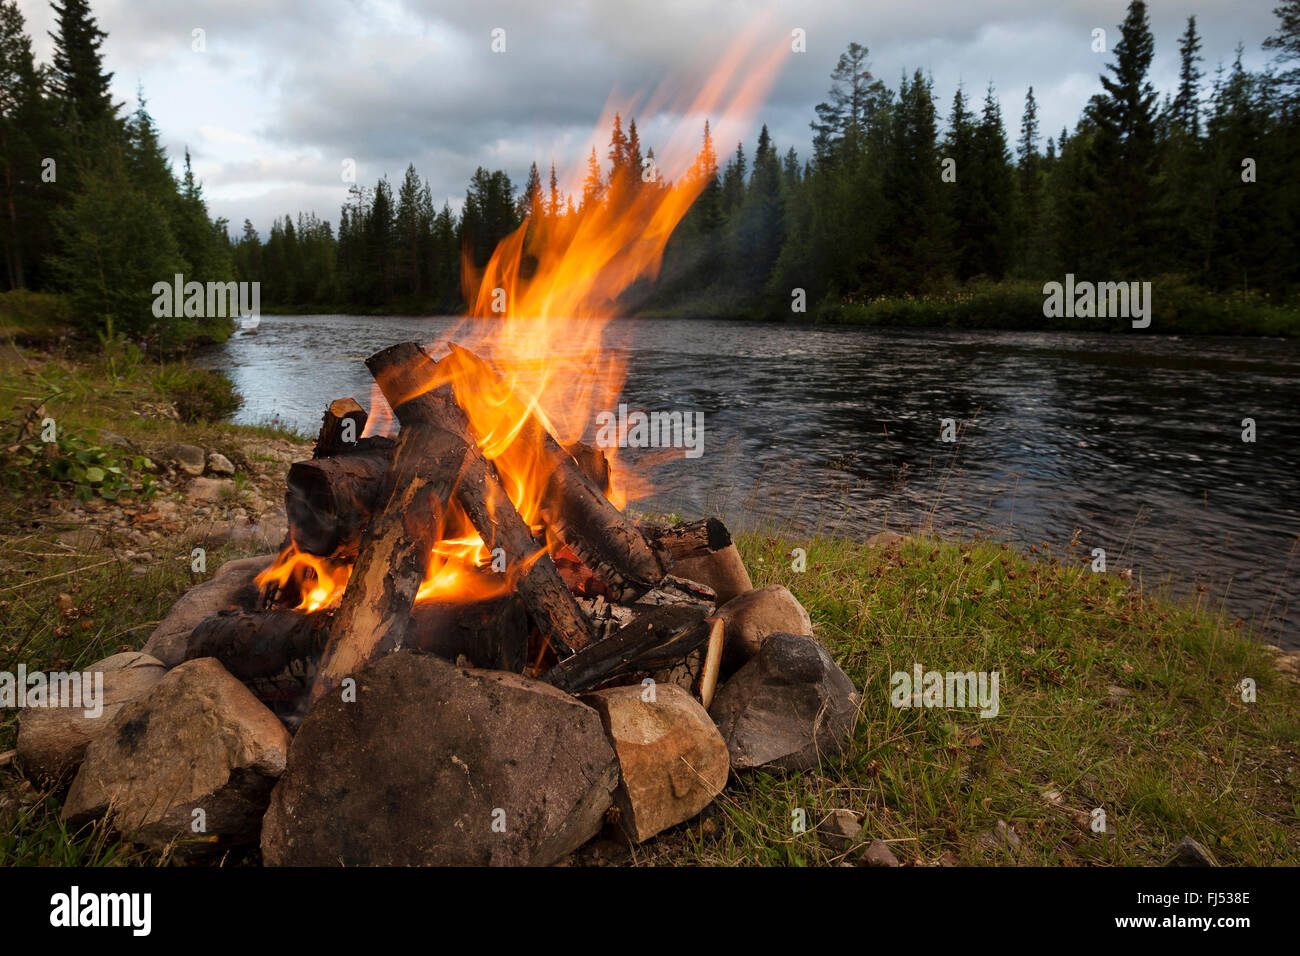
72 464
28 314
199 394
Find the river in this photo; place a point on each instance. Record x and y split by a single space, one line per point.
1130 442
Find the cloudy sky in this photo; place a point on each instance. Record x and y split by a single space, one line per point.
286 90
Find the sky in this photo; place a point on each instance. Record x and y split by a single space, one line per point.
284 92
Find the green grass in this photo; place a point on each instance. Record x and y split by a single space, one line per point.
1177 307
1182 756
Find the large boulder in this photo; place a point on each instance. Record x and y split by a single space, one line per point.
432 764
753 616
672 759
192 762
788 708
52 740
230 587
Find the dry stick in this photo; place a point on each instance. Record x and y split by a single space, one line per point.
51 577
580 515
393 555
479 492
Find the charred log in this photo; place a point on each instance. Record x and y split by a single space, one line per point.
341 428
329 501
658 638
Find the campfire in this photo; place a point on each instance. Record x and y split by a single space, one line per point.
466 651
476 536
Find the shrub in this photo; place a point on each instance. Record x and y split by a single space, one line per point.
199 394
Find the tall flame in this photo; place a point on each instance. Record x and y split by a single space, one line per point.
539 308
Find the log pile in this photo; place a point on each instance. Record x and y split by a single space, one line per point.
589 599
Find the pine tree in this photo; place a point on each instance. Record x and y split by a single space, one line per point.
1124 224
1187 105
22 116
1286 41
80 83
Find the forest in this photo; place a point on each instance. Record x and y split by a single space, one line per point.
903 198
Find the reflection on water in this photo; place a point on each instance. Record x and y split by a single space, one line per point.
1130 443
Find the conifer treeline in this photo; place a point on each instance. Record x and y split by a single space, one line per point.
894 199
90 205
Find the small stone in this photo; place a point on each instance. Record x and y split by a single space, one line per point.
219 464
1000 837
189 459
878 853
885 539
840 829
1190 852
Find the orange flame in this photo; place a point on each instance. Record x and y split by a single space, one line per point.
540 306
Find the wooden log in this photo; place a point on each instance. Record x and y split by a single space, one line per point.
656 639
703 551
403 375
259 644
341 428
579 514
392 559
329 501
492 633
594 464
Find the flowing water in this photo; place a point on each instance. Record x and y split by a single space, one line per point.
1130 442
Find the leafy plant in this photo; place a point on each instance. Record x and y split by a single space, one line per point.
74 464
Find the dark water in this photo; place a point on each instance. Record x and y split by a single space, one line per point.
1131 443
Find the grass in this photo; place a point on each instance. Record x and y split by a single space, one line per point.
1177 307
1182 755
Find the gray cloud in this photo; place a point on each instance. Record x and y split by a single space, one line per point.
287 89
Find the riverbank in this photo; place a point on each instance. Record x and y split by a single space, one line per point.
1177 308
1108 698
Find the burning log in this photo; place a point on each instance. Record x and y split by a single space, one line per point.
580 515
491 633
256 644
341 428
394 551
403 371
660 637
329 501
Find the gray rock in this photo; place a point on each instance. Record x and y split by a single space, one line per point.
787 708
750 618
209 489
1190 852
189 459
1001 837
435 765
229 587
190 764
840 829
672 760
52 740
219 464
878 853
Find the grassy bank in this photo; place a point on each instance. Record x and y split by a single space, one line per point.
1108 699
1176 308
